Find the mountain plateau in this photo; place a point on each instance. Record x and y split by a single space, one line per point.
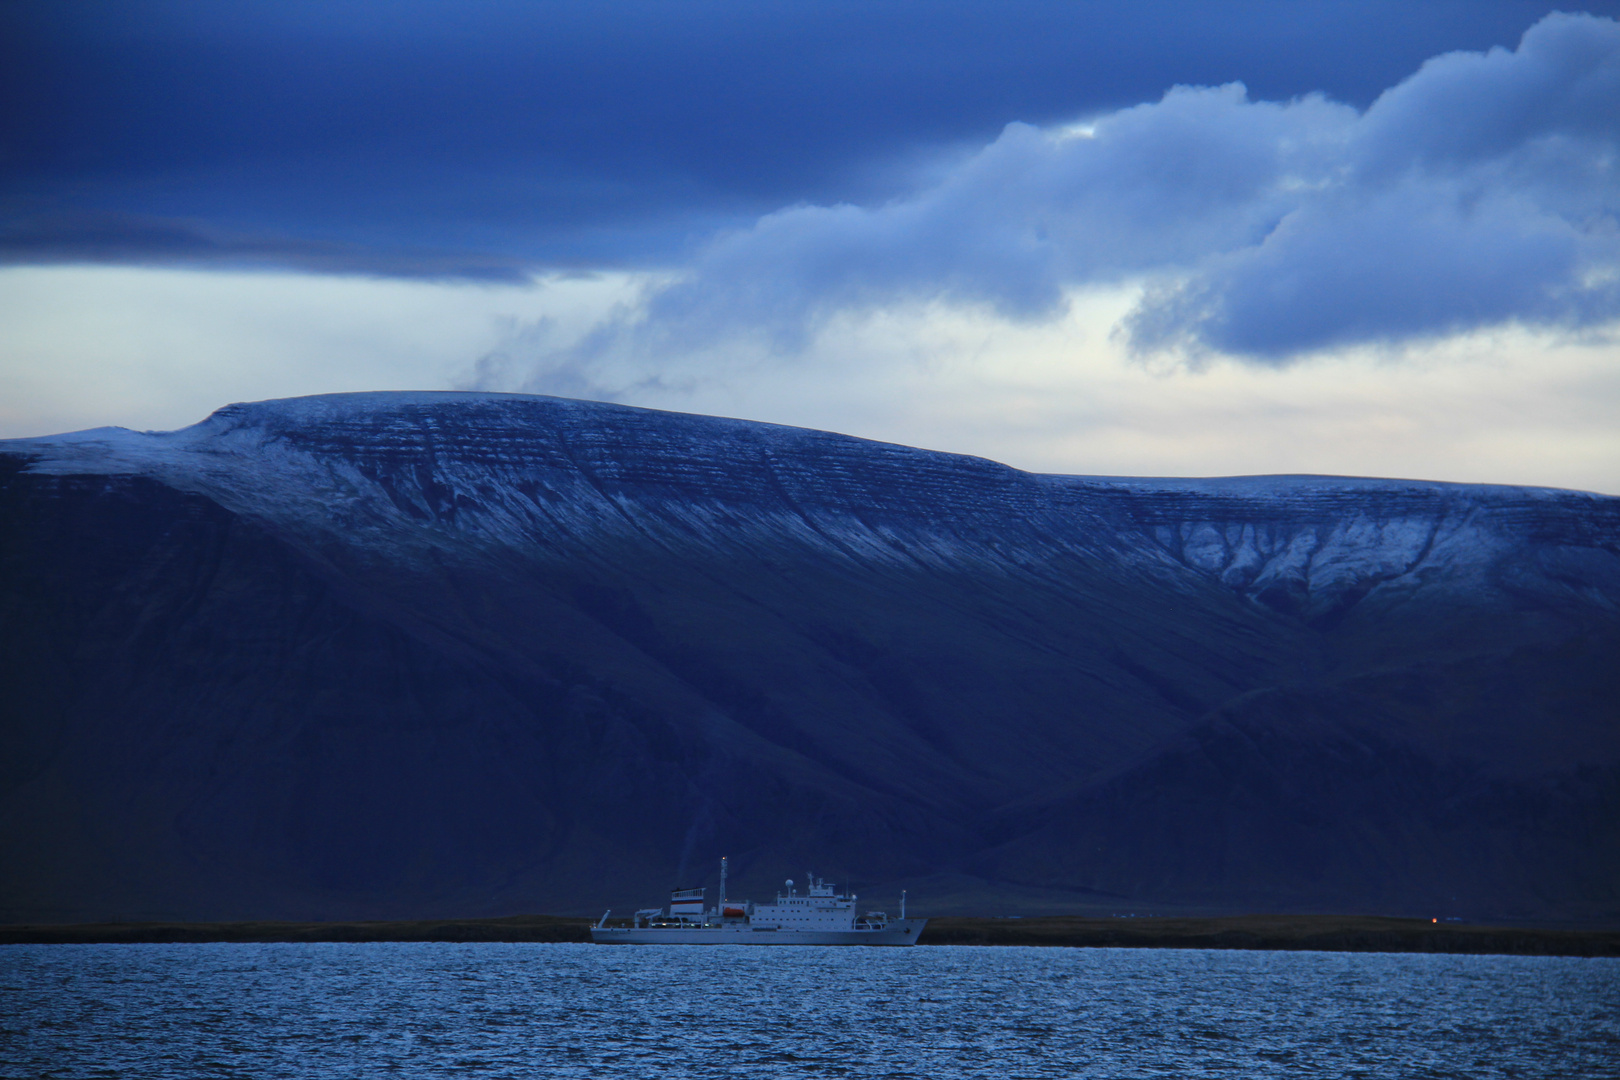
403 655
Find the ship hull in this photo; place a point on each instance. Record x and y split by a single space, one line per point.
901 932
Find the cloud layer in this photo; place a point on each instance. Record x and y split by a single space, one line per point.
1481 191
603 133
128 239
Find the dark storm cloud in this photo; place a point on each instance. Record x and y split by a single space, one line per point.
617 131
113 238
1301 209
1482 190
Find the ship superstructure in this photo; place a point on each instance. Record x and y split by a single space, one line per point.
820 915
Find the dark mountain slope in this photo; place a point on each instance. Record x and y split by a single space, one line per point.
411 654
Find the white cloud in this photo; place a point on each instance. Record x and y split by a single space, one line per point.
144 348
1482 191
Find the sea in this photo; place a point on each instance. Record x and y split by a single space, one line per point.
524 1010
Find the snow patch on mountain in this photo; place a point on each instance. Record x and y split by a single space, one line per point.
444 471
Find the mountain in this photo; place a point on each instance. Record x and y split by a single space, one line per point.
411 654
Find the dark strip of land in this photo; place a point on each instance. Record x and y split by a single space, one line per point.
1328 933
544 928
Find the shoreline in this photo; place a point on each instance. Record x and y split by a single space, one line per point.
1327 933
1323 933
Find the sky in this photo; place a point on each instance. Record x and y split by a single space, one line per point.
1156 238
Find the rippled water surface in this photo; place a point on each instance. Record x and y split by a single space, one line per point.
486 1010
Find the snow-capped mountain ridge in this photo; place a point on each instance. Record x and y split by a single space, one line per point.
522 469
518 652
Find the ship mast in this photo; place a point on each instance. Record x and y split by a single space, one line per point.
722 886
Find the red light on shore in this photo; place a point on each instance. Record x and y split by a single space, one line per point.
1434 920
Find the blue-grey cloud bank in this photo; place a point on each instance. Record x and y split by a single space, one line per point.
1320 175
607 132
1482 190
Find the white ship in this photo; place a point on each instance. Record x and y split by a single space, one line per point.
818 916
